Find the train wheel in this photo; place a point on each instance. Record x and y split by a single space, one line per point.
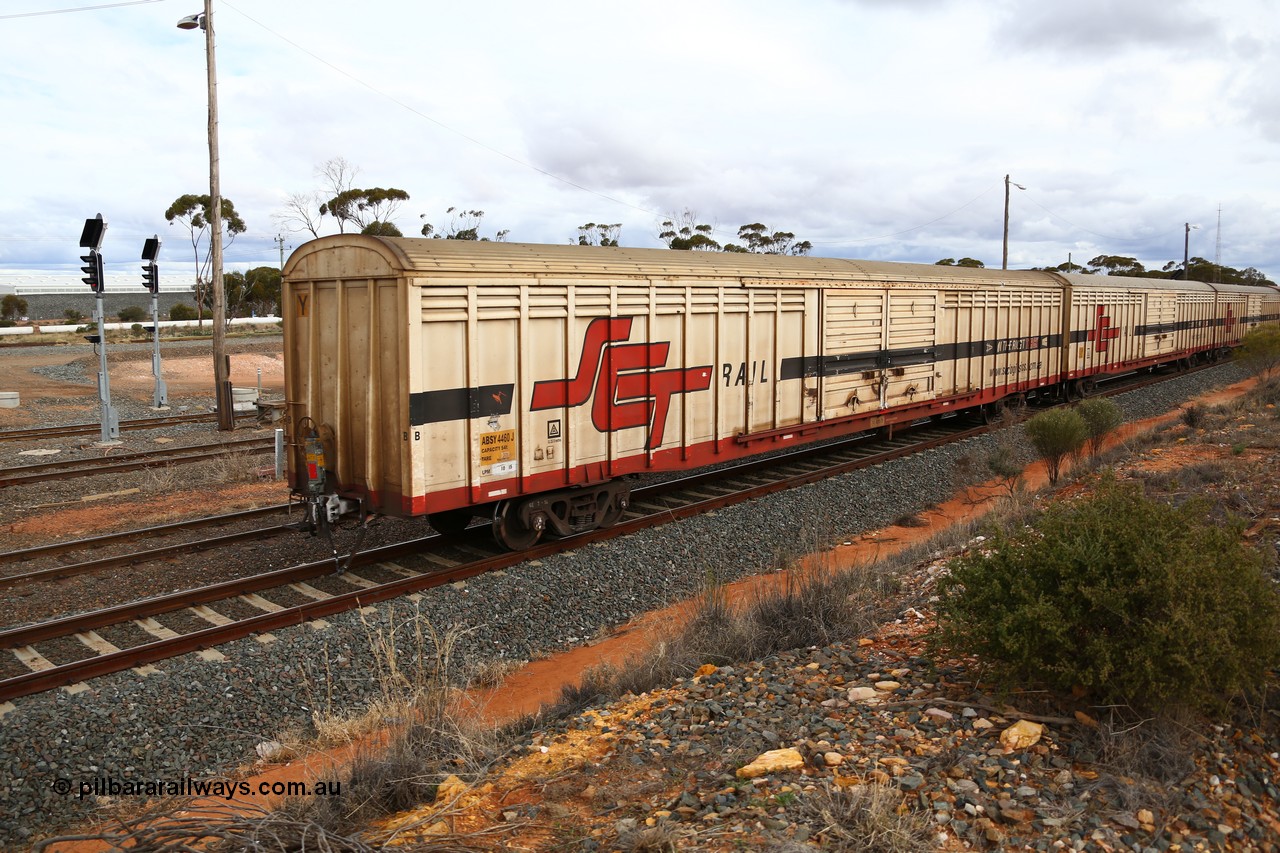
613 513
510 531
451 522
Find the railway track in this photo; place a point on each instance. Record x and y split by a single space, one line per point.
134 461
163 552
69 430
401 569
407 568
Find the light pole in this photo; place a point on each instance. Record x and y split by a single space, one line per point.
1186 249
151 279
221 364
91 239
1004 262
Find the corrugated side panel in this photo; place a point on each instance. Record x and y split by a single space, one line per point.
1232 309
853 337
1162 314
523 386
1195 312
1103 328
912 348
1009 337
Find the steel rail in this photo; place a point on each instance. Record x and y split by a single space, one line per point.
103 563
71 468
89 429
140 533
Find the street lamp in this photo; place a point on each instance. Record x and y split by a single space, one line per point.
1004 263
221 364
1186 247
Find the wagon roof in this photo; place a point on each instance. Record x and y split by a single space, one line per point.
464 258
468 257
1119 281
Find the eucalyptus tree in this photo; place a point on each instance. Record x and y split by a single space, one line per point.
463 225
597 234
304 211
683 231
192 212
759 239
362 209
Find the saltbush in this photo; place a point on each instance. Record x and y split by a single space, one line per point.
133 314
1131 599
182 312
1101 417
1056 434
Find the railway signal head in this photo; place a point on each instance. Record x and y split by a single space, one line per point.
93 269
91 236
151 276
150 270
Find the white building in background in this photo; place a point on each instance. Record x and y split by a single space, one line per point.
50 295
41 283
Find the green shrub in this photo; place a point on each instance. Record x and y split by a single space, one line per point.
132 314
182 312
1101 417
1056 434
1260 350
1134 600
13 307
72 315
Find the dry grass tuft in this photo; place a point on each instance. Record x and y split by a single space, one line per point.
863 818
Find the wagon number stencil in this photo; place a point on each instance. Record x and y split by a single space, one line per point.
628 388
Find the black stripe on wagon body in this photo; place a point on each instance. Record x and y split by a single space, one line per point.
455 404
1180 326
459 404
1187 325
837 365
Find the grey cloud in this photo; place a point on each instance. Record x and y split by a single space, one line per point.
1105 26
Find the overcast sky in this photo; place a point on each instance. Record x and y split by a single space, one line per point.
878 129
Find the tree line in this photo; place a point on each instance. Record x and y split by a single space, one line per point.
1198 269
371 209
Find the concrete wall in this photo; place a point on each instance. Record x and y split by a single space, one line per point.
50 306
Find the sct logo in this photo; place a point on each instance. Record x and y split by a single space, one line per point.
628 388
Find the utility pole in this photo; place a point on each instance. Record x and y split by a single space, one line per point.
1186 251
1004 262
221 363
280 244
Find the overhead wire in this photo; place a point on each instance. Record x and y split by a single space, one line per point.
78 9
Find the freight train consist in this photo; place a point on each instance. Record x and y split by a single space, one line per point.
522 383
